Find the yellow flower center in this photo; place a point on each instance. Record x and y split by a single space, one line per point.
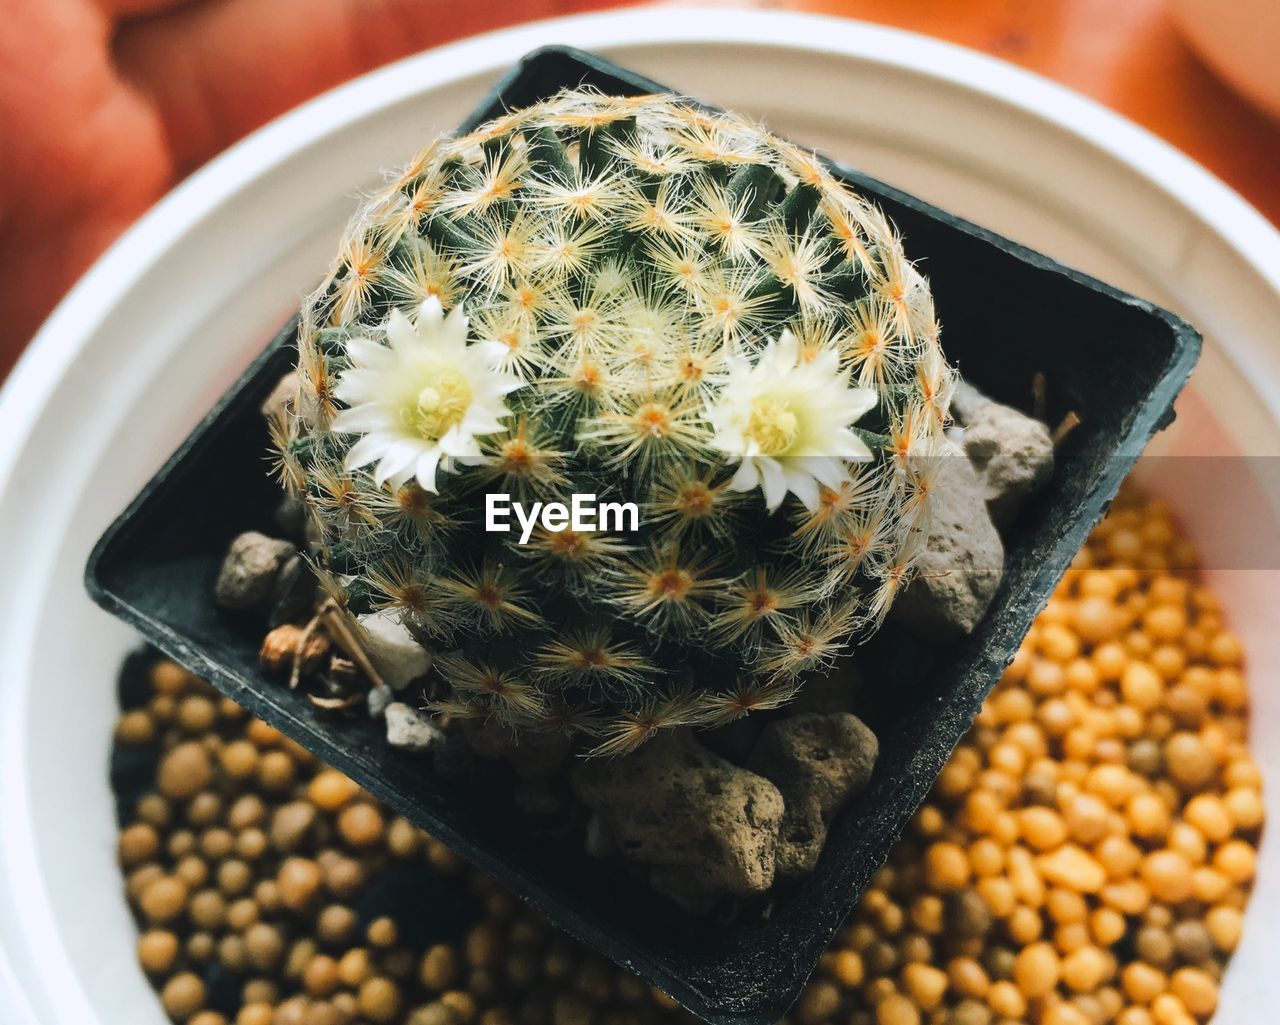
772 426
440 405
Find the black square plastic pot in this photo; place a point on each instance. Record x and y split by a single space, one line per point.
1008 313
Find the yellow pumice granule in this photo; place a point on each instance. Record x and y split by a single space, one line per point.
1085 856
1091 843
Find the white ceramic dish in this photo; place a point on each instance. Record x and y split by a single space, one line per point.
166 319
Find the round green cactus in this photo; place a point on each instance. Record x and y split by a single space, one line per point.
635 299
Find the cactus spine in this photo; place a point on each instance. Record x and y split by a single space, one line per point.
634 298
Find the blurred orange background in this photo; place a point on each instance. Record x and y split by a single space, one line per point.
105 104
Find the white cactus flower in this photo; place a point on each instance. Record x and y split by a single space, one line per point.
424 401
787 419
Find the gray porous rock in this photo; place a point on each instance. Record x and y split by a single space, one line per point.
704 827
963 561
818 763
966 400
1011 452
409 729
247 579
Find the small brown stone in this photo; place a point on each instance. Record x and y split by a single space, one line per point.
138 843
1192 941
281 645
164 899
290 825
167 677
183 995
439 968
299 881
967 914
264 945
336 924
361 825
1039 788
157 950
184 771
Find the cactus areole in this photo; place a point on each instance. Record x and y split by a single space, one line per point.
667 310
